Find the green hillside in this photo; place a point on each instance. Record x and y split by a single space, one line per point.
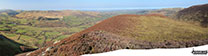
46 30
8 47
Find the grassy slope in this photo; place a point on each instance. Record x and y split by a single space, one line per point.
156 28
9 48
12 27
150 28
197 14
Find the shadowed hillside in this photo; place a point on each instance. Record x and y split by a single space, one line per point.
10 48
196 14
10 12
129 32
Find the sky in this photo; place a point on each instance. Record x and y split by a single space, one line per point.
95 4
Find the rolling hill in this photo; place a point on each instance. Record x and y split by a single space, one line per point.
9 47
196 14
170 12
55 14
43 26
129 32
10 12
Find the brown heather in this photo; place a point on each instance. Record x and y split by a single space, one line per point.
129 32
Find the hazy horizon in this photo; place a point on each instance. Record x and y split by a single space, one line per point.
96 5
144 8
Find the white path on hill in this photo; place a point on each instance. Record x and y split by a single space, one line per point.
154 52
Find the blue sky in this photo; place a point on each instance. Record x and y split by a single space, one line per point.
92 4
